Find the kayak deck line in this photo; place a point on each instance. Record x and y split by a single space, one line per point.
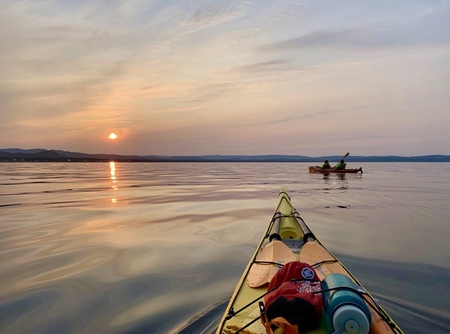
286 239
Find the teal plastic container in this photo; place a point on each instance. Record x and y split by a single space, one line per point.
344 308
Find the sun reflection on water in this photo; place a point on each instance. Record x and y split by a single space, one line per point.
112 172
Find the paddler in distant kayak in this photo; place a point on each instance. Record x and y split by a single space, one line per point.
341 165
326 165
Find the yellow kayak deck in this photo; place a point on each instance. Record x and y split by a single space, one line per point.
297 243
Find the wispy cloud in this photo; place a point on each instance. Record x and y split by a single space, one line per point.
207 14
352 37
365 38
208 92
270 66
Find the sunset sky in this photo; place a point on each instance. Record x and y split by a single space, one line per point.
205 77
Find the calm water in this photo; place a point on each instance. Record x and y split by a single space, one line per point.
159 248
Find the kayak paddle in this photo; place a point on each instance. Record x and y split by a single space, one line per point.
345 156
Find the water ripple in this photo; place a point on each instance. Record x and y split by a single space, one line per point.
160 247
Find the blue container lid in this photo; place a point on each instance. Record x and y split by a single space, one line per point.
352 319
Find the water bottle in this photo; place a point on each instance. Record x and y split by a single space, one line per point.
346 311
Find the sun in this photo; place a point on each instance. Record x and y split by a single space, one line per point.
112 136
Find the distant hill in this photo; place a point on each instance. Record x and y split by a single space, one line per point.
44 155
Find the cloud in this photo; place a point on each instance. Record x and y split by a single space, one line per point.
55 65
270 66
420 24
208 14
213 91
341 38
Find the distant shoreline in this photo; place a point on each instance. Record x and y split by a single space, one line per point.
44 155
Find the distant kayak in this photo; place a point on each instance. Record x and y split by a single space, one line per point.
317 169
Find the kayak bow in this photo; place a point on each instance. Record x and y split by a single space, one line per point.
287 239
